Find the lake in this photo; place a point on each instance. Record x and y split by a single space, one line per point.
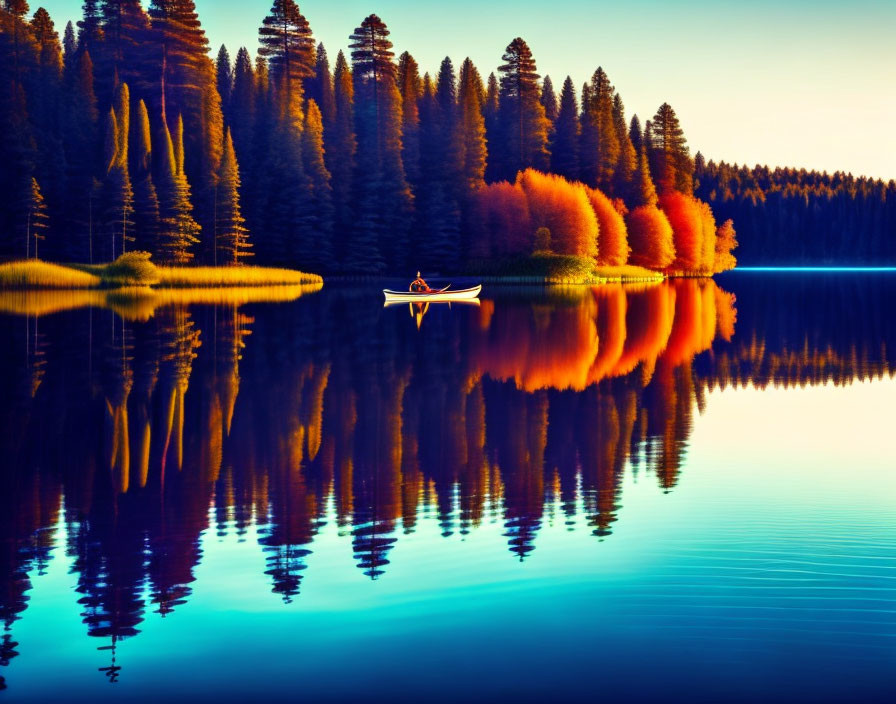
677 492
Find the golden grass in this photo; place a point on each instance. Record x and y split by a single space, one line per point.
140 303
626 273
198 276
34 273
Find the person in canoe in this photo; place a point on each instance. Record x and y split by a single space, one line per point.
418 285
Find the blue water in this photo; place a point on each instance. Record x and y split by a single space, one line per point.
645 494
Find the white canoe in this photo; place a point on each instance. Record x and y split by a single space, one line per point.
461 294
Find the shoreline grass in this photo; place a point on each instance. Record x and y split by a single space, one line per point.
135 270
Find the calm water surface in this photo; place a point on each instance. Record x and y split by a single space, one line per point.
682 492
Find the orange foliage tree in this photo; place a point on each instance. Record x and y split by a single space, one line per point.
502 222
726 241
687 230
612 240
562 207
650 237
708 225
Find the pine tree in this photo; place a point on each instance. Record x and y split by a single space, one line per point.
90 31
669 156
286 43
178 232
549 101
319 230
644 191
321 88
80 120
491 115
69 46
565 147
118 194
35 218
180 76
146 201
384 198
635 134
118 58
410 87
341 147
627 163
599 151
522 117
224 80
231 237
242 106
472 127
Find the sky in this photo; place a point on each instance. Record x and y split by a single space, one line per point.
799 83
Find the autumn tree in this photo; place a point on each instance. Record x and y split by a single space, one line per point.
563 208
726 242
231 237
612 240
523 124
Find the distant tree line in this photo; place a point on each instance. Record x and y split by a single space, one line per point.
799 217
127 135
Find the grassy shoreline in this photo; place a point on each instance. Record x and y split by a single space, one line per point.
37 274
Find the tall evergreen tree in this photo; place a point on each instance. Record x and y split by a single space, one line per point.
341 148
471 127
599 150
231 237
410 87
181 80
288 46
224 80
384 198
319 227
522 116
119 57
627 163
321 87
118 196
668 152
549 100
565 146
90 31
36 219
146 201
80 119
491 115
241 118
178 231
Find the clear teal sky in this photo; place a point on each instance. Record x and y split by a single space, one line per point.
799 83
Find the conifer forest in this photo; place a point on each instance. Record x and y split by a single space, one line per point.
128 132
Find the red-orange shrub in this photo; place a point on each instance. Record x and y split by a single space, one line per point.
726 241
650 237
563 208
687 230
612 237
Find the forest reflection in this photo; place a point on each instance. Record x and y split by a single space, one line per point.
136 427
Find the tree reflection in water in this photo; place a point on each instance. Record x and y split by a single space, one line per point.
128 419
